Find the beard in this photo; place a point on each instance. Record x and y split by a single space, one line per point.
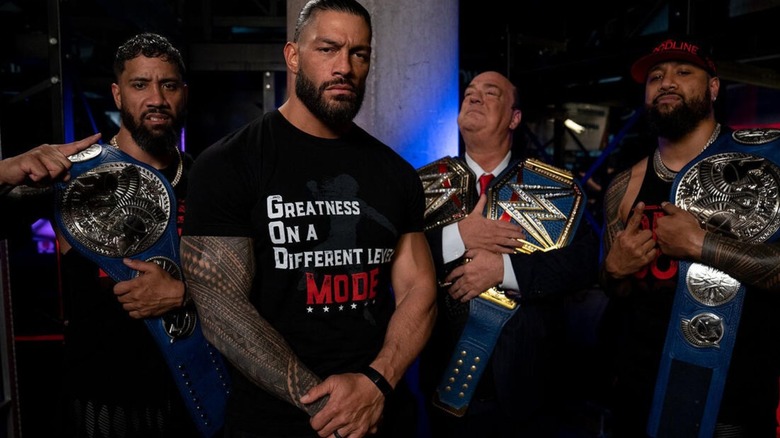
681 120
157 142
335 114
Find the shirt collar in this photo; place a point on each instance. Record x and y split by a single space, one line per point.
478 170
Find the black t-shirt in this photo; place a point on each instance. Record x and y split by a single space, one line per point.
325 216
644 318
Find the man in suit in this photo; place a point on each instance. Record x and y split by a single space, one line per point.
514 396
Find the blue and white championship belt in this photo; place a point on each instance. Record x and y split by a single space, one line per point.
548 203
732 188
115 207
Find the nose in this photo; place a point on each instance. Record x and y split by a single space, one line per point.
668 83
156 96
342 64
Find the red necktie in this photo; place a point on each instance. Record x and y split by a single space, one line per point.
484 182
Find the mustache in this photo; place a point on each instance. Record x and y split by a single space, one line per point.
162 111
339 81
668 93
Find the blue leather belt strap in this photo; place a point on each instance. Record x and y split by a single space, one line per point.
708 303
691 377
196 366
475 346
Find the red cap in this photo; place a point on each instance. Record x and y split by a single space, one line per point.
673 50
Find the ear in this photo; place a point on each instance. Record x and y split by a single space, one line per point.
517 116
714 88
117 95
291 56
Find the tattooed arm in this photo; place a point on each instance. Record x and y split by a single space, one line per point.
612 198
754 264
219 273
751 263
627 247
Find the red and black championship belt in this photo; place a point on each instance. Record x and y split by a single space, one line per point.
449 191
115 207
732 188
548 203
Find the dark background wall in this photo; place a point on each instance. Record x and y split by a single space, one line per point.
556 51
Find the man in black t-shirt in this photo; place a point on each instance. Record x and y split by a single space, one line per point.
304 252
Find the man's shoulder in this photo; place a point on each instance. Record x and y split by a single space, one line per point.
633 175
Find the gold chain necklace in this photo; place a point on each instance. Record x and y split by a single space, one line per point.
667 174
179 166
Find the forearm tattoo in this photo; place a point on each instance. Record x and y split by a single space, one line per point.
613 224
612 199
754 264
219 273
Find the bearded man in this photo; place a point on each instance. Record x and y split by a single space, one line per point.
304 251
116 380
695 355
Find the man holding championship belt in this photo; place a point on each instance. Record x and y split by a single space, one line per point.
691 263
137 364
490 365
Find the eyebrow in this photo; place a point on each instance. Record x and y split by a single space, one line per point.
487 86
147 79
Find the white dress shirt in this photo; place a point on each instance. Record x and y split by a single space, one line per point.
451 242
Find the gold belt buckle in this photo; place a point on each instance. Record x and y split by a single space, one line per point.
498 297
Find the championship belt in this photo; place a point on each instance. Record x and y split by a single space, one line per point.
115 207
449 191
731 188
548 203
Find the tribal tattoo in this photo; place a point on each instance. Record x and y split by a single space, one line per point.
219 273
614 224
755 264
612 199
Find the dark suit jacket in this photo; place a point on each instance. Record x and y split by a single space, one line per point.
527 357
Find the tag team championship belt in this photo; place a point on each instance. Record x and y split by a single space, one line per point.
115 207
548 203
732 188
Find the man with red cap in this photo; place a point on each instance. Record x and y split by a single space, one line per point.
691 263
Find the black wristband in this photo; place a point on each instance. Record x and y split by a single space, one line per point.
378 379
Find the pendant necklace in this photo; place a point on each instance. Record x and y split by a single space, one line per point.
179 167
667 174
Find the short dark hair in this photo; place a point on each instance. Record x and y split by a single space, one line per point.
311 8
150 45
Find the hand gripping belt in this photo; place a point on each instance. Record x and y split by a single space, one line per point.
731 188
115 207
547 202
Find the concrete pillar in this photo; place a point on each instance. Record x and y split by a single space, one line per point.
412 96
